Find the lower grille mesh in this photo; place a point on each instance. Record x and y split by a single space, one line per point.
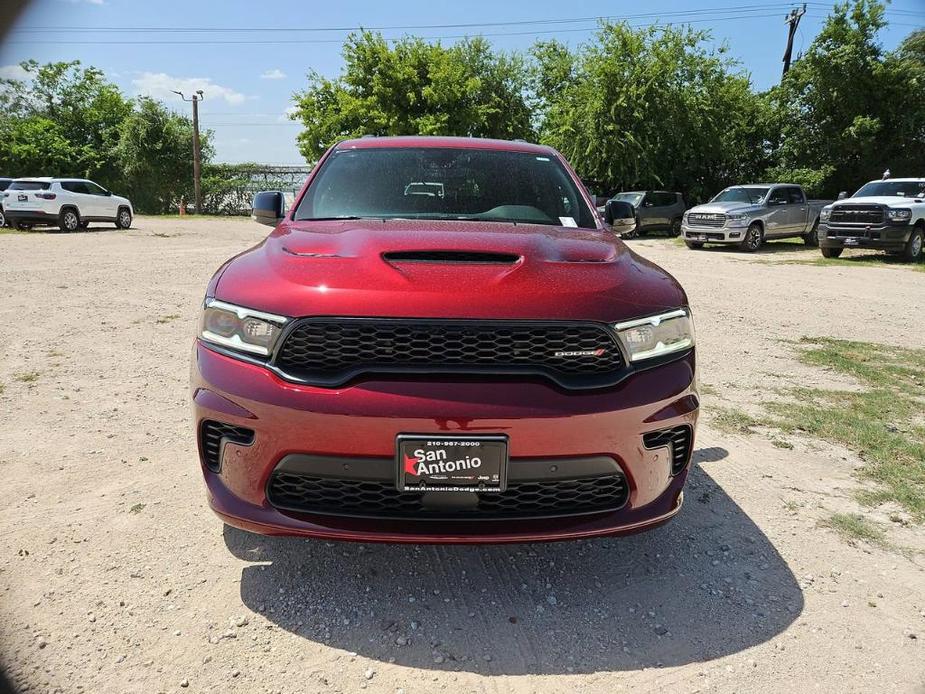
212 434
678 439
377 498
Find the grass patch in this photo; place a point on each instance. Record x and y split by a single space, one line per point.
874 259
137 508
732 421
707 389
853 527
27 376
879 423
167 319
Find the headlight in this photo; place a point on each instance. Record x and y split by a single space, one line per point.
824 215
739 219
684 217
899 215
238 328
655 336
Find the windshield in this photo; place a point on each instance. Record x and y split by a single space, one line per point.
741 194
632 198
441 183
908 189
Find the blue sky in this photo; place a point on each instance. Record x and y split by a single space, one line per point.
249 85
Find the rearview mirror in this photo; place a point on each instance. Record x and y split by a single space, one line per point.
620 215
842 195
269 208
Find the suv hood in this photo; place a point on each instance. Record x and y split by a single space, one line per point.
424 269
724 208
888 200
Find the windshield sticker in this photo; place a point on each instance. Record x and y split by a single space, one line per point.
567 222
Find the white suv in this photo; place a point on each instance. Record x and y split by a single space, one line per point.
69 203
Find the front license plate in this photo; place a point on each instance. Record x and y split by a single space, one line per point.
851 242
451 464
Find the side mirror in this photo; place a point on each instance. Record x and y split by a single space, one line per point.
107 193
269 208
620 215
842 195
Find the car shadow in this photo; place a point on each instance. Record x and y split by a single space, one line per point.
767 248
705 585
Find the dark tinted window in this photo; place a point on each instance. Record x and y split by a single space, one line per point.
445 183
795 196
74 186
91 188
778 196
5 183
29 185
664 199
908 189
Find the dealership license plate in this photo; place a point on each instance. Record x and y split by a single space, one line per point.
451 464
851 242
22 198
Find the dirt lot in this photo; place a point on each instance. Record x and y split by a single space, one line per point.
115 576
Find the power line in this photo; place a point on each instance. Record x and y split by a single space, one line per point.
566 20
392 39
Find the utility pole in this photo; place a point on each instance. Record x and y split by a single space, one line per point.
793 19
197 157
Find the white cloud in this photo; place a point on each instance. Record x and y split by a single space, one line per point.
161 86
13 72
286 116
274 74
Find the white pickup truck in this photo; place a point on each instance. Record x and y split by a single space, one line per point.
747 216
888 215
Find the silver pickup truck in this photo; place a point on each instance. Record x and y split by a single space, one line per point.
747 216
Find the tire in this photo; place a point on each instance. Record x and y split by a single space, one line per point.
811 238
754 237
694 245
913 250
831 252
124 218
69 220
2 219
675 230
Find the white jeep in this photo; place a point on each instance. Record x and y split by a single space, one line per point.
68 203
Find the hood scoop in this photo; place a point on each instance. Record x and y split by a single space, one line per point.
451 257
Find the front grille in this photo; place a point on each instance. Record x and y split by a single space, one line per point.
678 440
212 436
856 214
380 498
329 352
706 219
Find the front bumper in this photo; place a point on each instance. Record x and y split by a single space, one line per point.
362 421
713 234
886 237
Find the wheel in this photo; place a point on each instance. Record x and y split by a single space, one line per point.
753 239
694 245
68 220
2 220
675 229
913 251
811 238
124 220
831 252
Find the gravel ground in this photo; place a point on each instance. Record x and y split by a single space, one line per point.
115 576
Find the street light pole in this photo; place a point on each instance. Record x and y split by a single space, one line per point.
197 155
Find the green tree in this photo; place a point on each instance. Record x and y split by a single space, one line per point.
650 108
848 110
34 146
414 88
155 156
84 107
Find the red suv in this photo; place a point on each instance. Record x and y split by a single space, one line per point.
441 342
